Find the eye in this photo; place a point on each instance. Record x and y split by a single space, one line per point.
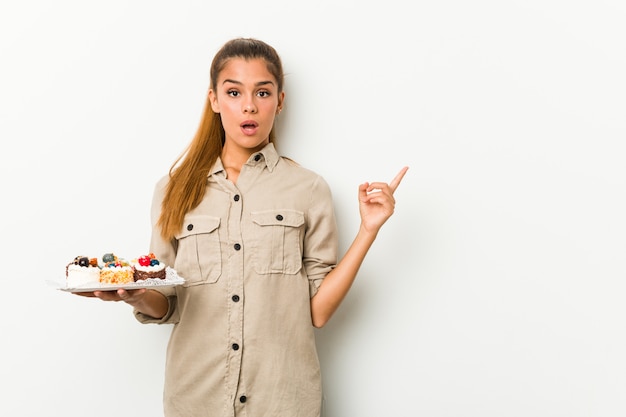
264 94
232 93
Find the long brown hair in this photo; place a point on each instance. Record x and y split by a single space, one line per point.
188 174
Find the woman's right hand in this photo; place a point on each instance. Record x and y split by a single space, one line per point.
151 303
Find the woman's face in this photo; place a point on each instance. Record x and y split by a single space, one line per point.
247 98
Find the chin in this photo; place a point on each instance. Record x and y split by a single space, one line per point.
254 145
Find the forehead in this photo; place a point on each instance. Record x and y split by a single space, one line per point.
245 71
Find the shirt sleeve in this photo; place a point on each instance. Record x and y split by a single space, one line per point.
166 252
321 237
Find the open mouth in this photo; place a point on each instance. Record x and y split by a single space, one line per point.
249 126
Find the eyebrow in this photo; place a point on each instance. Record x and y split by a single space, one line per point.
258 84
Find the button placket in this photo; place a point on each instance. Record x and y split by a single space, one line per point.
235 289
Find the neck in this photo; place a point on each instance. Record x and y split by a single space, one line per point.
234 157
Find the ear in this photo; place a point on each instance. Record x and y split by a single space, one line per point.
213 100
281 100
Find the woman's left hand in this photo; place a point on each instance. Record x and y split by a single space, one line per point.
376 202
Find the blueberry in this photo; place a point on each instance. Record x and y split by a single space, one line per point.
108 257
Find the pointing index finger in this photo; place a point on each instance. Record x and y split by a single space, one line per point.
396 181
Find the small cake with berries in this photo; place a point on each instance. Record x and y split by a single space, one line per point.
82 271
115 270
148 266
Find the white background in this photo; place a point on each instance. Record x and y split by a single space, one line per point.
497 288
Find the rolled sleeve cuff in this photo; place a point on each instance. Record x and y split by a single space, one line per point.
171 317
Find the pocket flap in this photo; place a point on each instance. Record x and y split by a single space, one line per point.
289 218
195 225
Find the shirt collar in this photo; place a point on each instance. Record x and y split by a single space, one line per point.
267 156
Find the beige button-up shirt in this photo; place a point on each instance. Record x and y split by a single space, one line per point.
252 255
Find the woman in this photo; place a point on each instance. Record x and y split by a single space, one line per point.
254 236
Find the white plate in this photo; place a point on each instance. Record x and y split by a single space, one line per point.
171 279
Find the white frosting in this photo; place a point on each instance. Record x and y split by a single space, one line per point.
149 268
82 275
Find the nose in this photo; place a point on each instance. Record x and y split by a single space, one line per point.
249 107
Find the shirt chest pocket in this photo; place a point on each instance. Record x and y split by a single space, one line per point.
277 243
199 257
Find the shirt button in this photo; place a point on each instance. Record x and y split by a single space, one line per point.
190 227
235 298
257 157
236 197
243 399
235 346
237 246
279 217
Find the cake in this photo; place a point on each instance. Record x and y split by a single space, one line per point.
82 271
148 266
115 270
